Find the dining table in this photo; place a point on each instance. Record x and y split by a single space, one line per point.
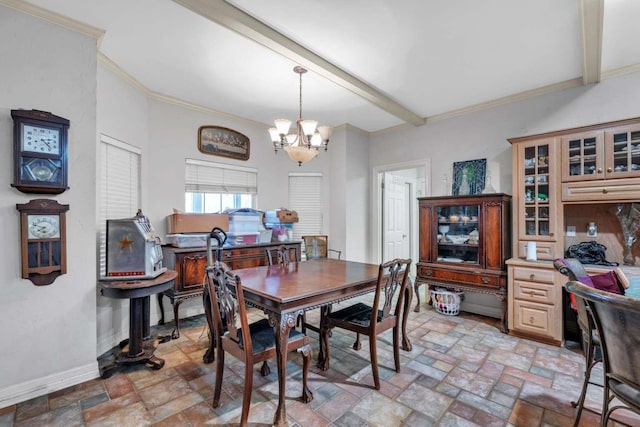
285 291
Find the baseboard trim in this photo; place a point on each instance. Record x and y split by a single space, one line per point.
40 386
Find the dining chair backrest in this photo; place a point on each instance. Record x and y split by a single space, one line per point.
282 255
392 281
317 246
229 311
617 319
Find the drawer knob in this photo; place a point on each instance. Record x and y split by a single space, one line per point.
428 272
532 320
532 276
599 170
605 191
609 169
486 280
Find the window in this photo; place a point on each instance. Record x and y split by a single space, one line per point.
213 187
119 186
305 197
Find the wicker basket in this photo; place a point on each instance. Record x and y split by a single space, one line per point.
446 302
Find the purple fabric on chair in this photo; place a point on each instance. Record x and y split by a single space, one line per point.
606 282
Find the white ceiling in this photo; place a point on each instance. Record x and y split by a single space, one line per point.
374 64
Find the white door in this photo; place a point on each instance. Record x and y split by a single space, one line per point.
396 242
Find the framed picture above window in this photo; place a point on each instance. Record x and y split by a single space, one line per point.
224 142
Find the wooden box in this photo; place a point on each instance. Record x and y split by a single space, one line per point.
196 223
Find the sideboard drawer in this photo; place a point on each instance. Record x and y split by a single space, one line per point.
462 277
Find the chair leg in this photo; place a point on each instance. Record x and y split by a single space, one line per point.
307 395
246 393
265 369
219 372
357 345
590 362
396 348
323 357
373 349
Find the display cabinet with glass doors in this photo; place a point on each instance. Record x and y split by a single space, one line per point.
464 243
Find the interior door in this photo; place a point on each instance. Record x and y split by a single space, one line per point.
396 243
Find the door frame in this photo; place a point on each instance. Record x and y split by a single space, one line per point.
376 205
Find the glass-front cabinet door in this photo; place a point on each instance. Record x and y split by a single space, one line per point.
623 152
583 157
458 234
537 186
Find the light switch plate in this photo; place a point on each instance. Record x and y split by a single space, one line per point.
571 231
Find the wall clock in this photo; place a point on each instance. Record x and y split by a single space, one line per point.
43 240
39 152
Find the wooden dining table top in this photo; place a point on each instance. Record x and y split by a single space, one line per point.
307 284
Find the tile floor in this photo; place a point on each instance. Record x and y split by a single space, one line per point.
461 372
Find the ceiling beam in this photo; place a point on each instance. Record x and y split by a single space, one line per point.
239 21
591 19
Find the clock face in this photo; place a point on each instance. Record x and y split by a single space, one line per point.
40 139
43 226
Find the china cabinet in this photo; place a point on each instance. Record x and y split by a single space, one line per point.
560 177
464 243
190 264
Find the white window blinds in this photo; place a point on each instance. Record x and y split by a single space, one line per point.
210 177
119 186
305 197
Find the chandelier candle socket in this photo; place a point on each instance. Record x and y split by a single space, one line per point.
303 145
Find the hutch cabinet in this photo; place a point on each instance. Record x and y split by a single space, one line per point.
464 243
190 264
587 167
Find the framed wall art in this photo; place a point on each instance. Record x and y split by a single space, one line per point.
469 177
221 141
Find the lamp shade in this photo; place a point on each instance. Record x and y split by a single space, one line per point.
282 125
325 132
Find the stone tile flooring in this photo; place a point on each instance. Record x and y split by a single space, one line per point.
461 372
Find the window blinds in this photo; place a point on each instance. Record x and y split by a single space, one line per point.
305 197
210 177
119 186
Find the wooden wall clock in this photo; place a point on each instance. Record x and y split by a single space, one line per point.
39 152
43 240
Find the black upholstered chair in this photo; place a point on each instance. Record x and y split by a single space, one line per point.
251 343
371 320
617 320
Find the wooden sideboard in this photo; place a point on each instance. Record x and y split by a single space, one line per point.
190 264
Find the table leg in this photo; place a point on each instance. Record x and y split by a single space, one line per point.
282 324
136 326
406 343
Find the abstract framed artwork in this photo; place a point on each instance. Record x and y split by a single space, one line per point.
469 177
225 142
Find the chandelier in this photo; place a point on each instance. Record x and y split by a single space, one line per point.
303 145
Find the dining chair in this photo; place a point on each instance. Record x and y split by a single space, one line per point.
574 270
282 254
617 319
250 343
318 247
372 320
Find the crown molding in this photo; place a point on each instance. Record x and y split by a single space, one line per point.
56 19
123 75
